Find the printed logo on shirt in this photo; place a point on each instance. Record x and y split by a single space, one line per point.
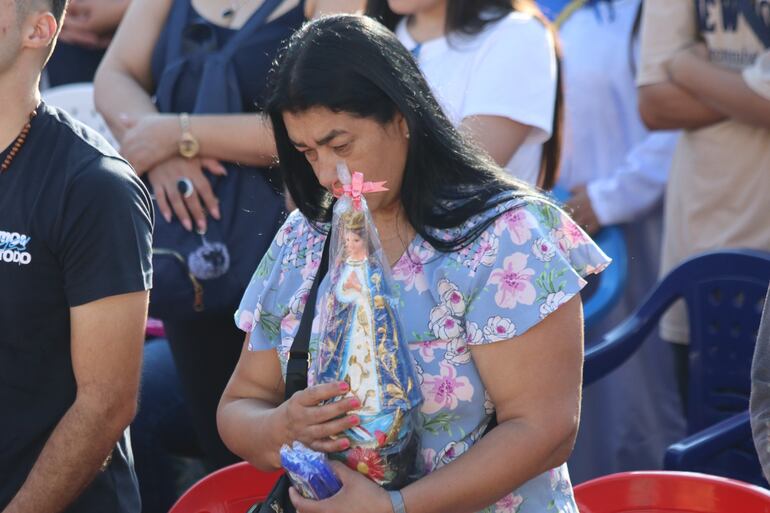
13 248
714 15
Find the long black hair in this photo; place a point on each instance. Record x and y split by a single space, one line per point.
469 17
353 64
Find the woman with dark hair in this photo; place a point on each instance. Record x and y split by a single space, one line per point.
492 65
488 273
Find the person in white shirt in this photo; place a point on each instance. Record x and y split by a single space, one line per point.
616 171
493 66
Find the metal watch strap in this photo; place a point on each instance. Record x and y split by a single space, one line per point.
397 501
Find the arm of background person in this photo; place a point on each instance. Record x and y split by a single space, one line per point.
724 90
91 23
637 184
501 111
107 339
500 137
668 26
317 8
124 81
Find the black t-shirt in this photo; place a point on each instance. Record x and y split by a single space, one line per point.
75 226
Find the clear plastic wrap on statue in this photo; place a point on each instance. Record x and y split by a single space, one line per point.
362 343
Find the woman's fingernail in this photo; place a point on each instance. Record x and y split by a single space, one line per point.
354 403
187 224
345 443
344 387
354 420
215 213
167 217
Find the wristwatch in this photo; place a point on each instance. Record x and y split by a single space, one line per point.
188 144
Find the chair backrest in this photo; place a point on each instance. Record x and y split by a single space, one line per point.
233 489
78 101
669 492
724 292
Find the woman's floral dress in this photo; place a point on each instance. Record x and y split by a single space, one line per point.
521 268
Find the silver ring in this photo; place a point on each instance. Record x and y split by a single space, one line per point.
185 187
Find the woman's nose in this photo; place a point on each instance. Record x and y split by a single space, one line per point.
327 173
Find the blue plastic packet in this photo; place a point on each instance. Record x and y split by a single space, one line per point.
309 471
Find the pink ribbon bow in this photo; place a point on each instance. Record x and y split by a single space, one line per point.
357 187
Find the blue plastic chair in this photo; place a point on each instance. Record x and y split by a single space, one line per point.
724 293
613 279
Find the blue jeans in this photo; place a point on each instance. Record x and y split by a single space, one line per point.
161 430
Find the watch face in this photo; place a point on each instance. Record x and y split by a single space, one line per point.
188 146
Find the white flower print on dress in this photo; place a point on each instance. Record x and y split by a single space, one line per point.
457 352
443 324
451 452
509 504
519 223
513 282
499 328
489 406
543 249
409 268
420 373
552 302
451 297
298 301
474 335
246 321
446 390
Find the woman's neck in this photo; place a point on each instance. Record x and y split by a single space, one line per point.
428 24
394 230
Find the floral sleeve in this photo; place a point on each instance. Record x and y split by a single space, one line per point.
534 260
275 297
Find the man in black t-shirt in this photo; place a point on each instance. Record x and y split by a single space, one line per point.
75 248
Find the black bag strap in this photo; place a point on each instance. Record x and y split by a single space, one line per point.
299 355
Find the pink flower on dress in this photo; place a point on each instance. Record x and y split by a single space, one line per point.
513 282
246 321
409 269
573 232
309 270
429 457
509 504
284 234
519 223
446 390
426 351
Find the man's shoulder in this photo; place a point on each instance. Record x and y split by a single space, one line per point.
78 146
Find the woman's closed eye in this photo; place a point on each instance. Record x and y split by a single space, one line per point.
342 149
310 155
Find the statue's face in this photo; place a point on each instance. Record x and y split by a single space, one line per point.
355 246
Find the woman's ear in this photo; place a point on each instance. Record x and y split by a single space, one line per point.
403 126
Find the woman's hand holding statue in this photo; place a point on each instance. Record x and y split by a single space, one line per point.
314 424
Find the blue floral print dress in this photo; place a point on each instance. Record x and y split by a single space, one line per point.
522 267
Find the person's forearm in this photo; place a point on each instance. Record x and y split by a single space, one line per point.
254 430
244 138
722 89
115 93
503 460
72 457
666 106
